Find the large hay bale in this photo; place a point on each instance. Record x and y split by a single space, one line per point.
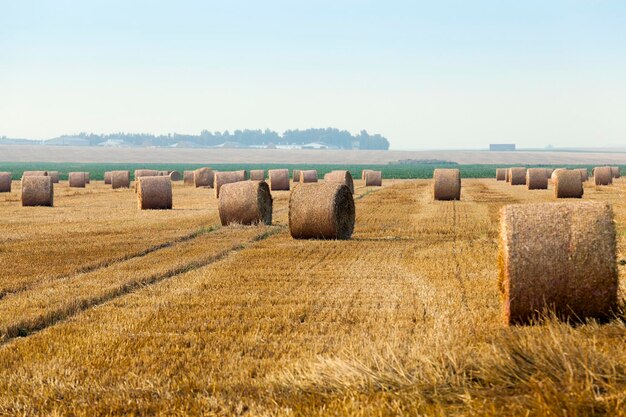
243 175
188 178
500 174
568 184
603 175
107 178
558 257
77 179
374 178
309 175
518 176
615 172
37 191
226 177
446 184
279 179
584 174
245 202
554 173
87 178
341 177
321 211
536 179
296 175
174 176
144 173
203 177
120 179
507 177
34 174
363 172
54 175
154 193
257 175
5 182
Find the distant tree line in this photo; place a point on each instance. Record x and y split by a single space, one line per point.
342 139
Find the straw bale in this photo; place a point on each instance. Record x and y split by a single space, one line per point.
279 179
257 175
373 178
568 184
77 179
37 191
603 175
507 176
584 174
188 178
309 175
174 175
615 172
518 176
296 175
226 177
245 202
536 179
5 182
154 193
341 177
54 175
107 178
500 174
34 174
446 184
203 177
120 179
363 172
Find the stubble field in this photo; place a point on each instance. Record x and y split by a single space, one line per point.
106 309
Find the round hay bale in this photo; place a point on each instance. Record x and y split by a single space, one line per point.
257 175
87 178
77 179
554 173
163 173
536 179
34 174
603 175
446 184
203 177
5 182
615 172
279 179
107 178
54 175
226 177
321 211
584 174
243 175
144 173
558 257
245 202
363 173
296 175
120 179
174 176
188 178
373 179
518 176
341 177
568 184
154 193
507 177
309 175
37 191
500 174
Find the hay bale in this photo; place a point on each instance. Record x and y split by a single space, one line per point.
188 178
257 175
373 179
5 182
107 178
309 175
536 179
37 191
507 177
54 175
279 179
163 173
518 176
341 177
446 184
615 172
87 178
34 174
568 184
555 172
584 174
363 174
296 175
120 179
226 177
558 257
321 211
154 193
603 175
77 179
245 202
174 176
243 175
203 177
500 174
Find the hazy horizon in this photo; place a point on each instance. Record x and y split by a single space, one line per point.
450 75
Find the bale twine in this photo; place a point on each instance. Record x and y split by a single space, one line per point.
341 177
536 179
603 175
373 179
518 176
279 179
174 176
154 193
558 257
500 174
309 175
257 175
447 184
584 174
203 177
615 172
37 191
296 175
77 179
107 178
245 202
188 178
54 175
120 179
568 184
226 177
321 211
34 174
5 182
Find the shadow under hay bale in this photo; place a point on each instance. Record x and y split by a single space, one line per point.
373 179
279 179
154 193
568 184
557 258
188 178
603 176
446 184
536 179
174 176
257 175
341 177
309 175
120 179
5 182
107 178
203 177
500 174
518 176
321 211
226 177
245 202
37 191
77 179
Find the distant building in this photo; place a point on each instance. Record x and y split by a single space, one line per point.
318 145
67 141
113 143
502 147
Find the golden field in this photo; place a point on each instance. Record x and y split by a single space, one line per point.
109 310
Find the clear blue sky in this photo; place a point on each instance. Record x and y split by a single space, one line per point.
435 74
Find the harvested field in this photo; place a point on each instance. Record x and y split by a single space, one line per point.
106 309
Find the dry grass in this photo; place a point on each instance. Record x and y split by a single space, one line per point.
402 319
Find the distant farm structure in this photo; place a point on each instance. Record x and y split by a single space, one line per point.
502 147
